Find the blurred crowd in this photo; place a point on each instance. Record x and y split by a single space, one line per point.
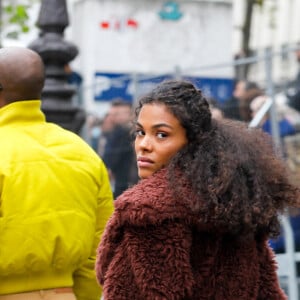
111 138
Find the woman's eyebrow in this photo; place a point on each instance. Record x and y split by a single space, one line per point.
155 125
162 125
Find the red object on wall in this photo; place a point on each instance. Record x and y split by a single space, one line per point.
117 25
132 23
105 24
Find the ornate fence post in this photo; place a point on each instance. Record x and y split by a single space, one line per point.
56 53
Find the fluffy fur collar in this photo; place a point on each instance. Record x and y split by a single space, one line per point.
152 201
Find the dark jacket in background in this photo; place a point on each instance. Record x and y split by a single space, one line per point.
119 158
231 109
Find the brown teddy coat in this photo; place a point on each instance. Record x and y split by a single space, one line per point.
157 247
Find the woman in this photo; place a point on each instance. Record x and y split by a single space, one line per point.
196 226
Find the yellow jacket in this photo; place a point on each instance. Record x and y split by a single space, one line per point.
55 200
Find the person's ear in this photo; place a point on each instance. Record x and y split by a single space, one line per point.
2 101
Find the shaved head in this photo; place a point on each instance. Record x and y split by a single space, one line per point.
21 75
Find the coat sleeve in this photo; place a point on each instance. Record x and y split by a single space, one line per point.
86 286
269 287
153 259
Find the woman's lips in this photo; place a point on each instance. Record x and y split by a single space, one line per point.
144 162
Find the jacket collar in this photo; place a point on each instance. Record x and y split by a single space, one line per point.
21 112
152 201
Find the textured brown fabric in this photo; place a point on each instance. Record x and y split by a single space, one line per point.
157 246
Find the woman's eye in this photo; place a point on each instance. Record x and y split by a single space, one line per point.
161 135
139 132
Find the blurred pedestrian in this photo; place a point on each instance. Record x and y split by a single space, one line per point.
230 107
75 79
106 126
93 131
284 126
214 107
55 196
197 224
118 152
238 106
293 92
297 79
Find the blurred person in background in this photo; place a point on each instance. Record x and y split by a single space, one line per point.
230 107
55 197
293 92
297 81
76 80
118 151
106 125
216 112
73 77
285 127
93 123
238 106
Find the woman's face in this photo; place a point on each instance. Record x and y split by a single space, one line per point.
159 136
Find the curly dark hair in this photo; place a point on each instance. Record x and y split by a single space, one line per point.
185 102
240 182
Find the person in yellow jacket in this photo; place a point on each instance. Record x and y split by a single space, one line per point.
55 196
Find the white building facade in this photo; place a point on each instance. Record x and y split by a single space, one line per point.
128 45
184 37
275 25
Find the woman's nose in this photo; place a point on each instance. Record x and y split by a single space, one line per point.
145 143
